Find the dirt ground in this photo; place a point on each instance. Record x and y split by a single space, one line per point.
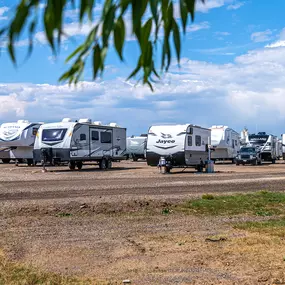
109 225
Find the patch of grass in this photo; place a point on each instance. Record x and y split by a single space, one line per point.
14 273
274 227
63 214
260 204
208 197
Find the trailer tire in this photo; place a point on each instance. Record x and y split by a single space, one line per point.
71 165
135 158
103 164
200 168
109 164
6 160
79 165
30 162
237 164
273 161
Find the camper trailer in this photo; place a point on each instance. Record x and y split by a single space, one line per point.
178 146
225 143
266 144
136 147
279 149
244 137
17 141
77 142
283 146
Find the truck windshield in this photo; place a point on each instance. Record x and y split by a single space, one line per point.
51 135
247 149
258 139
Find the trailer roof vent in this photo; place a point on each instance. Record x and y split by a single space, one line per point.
22 121
115 125
98 123
144 135
89 121
66 120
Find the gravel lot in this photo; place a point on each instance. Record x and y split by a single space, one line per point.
108 224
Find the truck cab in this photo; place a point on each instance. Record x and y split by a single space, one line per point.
248 155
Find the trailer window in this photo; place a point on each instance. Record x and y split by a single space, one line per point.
106 137
35 130
198 140
189 140
51 135
235 142
82 137
95 135
190 131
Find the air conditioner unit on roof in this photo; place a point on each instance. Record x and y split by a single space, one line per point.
66 120
115 125
98 123
89 121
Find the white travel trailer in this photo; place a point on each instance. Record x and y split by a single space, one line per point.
279 149
225 143
266 145
17 141
244 137
283 145
78 142
136 147
179 145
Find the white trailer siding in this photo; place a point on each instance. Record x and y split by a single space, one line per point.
225 142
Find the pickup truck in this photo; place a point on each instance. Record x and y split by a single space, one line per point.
248 155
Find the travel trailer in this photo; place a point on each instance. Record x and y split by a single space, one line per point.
283 146
75 142
136 147
17 141
266 144
225 143
244 137
178 146
279 152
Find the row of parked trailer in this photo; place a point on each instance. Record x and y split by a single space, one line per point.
75 142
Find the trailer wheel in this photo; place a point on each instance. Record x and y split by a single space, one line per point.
109 164
30 162
103 164
273 161
237 164
71 165
135 158
200 168
6 160
79 165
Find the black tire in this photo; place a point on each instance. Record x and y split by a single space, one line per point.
109 164
71 165
237 164
135 158
79 165
6 160
103 164
254 162
200 168
30 162
273 161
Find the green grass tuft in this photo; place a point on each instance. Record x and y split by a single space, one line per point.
260 204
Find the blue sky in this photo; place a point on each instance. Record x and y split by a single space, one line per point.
232 73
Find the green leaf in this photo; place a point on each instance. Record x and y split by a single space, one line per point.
96 60
49 27
108 24
119 36
83 8
136 70
11 52
184 15
80 48
176 38
190 4
153 8
145 34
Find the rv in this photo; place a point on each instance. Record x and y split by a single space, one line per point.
244 137
225 143
178 146
77 142
283 146
279 149
136 147
17 141
266 144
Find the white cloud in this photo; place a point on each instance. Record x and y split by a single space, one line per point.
276 44
198 27
248 91
209 4
261 36
235 6
222 33
3 11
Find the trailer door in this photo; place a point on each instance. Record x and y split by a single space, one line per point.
106 142
95 150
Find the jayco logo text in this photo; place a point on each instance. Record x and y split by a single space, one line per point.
165 141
